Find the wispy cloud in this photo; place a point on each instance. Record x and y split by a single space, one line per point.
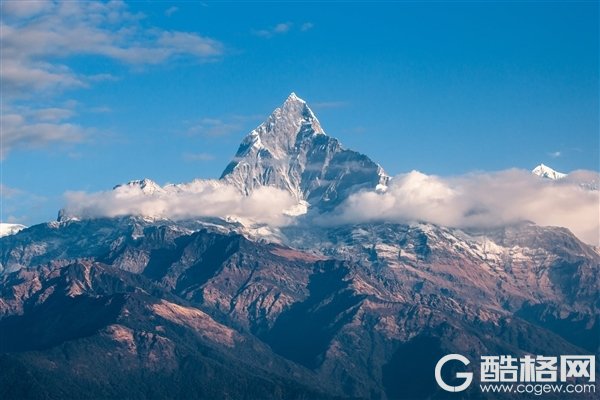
306 26
198 157
27 127
7 192
281 28
100 109
38 38
322 105
53 114
219 127
171 10
482 200
25 9
21 131
278 29
555 154
32 43
214 127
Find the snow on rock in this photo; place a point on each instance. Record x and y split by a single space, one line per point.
291 151
146 185
546 172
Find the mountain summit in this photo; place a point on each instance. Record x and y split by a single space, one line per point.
291 151
546 172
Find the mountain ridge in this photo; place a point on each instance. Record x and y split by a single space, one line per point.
209 307
291 151
338 308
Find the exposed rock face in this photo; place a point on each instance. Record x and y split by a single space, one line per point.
89 330
291 151
339 316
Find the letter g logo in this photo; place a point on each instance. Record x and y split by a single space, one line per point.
468 376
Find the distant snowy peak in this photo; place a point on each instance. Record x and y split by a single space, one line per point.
291 151
546 172
10 229
147 186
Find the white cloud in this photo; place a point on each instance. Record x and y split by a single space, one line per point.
197 199
282 28
219 127
555 154
214 127
198 157
7 192
38 38
482 200
35 38
52 114
33 131
278 29
100 109
25 8
171 10
307 26
21 79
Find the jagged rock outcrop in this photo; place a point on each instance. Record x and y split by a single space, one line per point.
291 151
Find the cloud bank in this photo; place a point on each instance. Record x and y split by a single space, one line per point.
478 200
200 198
482 200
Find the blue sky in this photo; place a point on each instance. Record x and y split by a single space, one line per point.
95 94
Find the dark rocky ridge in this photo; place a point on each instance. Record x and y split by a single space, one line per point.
337 322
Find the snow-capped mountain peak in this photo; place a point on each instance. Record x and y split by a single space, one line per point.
279 133
294 97
291 151
546 172
147 186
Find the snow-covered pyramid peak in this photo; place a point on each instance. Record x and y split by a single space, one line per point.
291 151
278 134
546 172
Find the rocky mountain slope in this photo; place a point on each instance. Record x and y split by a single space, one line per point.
138 307
333 320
